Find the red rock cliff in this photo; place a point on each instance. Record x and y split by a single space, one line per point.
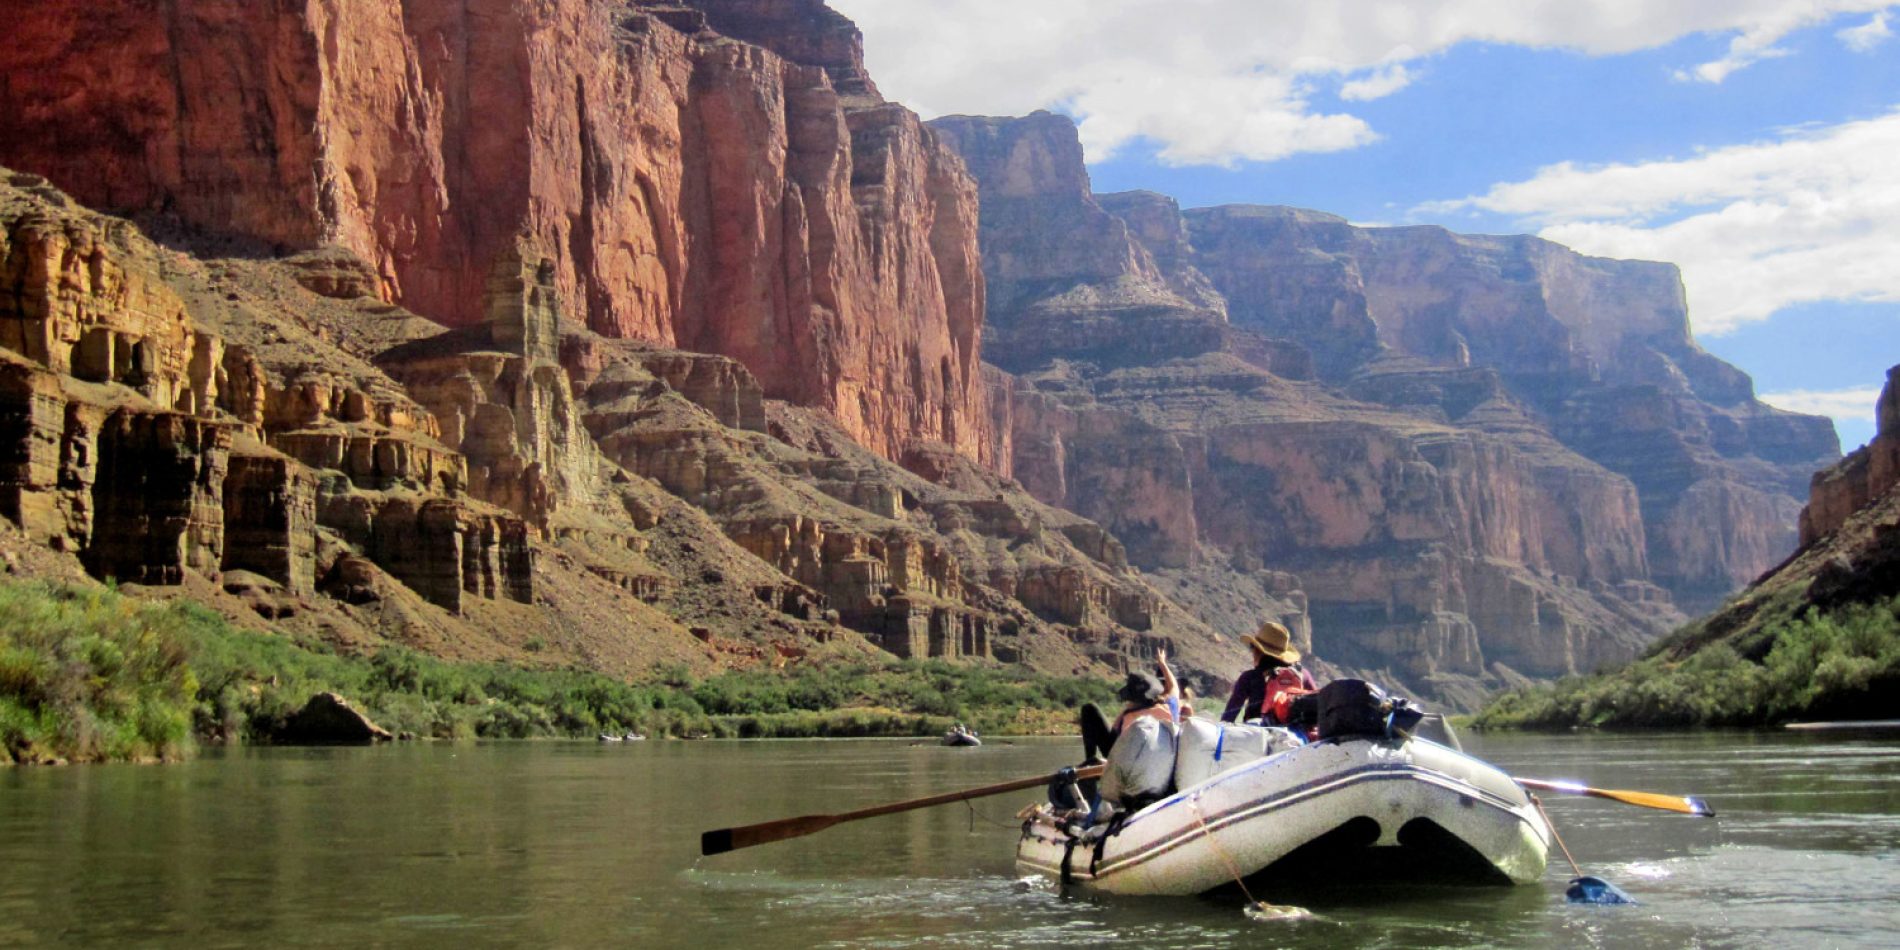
695 189
1598 351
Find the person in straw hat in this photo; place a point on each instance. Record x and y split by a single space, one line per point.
1276 677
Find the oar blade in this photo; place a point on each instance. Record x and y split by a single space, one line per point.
1595 890
1681 804
722 840
1676 803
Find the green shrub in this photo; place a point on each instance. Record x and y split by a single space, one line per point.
86 673
1812 664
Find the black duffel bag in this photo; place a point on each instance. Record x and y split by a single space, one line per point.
1351 708
1355 708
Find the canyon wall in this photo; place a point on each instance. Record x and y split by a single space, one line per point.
1444 455
1867 474
690 188
271 437
1597 351
640 333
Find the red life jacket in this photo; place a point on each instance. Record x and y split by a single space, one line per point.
1281 689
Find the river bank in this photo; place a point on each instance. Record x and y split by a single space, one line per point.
89 675
1790 663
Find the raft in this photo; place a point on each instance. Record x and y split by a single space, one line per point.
961 739
1404 809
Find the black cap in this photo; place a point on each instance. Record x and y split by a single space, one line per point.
1140 688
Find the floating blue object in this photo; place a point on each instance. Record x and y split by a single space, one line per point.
1595 890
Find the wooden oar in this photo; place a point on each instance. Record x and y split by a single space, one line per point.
1676 803
745 836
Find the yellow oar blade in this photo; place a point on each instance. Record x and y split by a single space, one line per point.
1681 804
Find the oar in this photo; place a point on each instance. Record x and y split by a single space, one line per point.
1676 803
723 840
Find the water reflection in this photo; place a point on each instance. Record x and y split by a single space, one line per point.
583 844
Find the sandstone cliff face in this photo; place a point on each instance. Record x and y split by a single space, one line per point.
1066 278
1410 508
278 441
1850 555
691 189
1835 494
1597 350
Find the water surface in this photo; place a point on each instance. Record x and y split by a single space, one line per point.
582 844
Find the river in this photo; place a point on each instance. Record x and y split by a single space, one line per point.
584 844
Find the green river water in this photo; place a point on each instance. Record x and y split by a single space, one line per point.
584 844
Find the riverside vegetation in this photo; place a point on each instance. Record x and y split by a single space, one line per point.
1843 663
88 674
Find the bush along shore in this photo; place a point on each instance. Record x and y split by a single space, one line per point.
1839 664
87 674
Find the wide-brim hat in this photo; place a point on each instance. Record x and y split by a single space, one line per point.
1140 688
1275 641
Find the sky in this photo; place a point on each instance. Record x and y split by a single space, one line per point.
1756 143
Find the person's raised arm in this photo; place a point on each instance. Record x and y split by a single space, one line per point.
1170 689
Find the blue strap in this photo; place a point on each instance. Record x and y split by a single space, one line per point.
1220 739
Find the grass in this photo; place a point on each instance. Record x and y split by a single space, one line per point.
87 674
1841 664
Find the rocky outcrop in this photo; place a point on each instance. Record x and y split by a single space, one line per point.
345 469
718 175
1223 400
1597 351
329 719
1811 639
1866 474
1066 278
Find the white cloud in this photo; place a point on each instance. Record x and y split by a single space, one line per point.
1811 216
1841 405
1377 84
1863 38
1216 81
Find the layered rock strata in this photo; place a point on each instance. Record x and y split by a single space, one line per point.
1866 474
720 176
272 437
1597 352
1412 427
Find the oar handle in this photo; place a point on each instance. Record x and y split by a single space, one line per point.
982 791
722 840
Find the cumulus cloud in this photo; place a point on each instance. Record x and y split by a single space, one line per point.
1863 38
1219 81
1377 84
1841 405
1811 216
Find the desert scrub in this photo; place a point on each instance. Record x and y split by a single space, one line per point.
1843 664
88 675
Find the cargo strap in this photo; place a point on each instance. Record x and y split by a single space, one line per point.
1113 828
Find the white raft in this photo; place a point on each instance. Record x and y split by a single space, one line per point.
1411 808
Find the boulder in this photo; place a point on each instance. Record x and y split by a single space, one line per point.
329 719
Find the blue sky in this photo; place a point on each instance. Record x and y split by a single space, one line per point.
1754 142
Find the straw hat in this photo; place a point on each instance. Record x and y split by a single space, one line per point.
1273 640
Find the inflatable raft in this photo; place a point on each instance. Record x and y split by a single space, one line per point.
1391 809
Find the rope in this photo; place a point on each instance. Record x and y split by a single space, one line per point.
986 819
1555 836
1232 868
